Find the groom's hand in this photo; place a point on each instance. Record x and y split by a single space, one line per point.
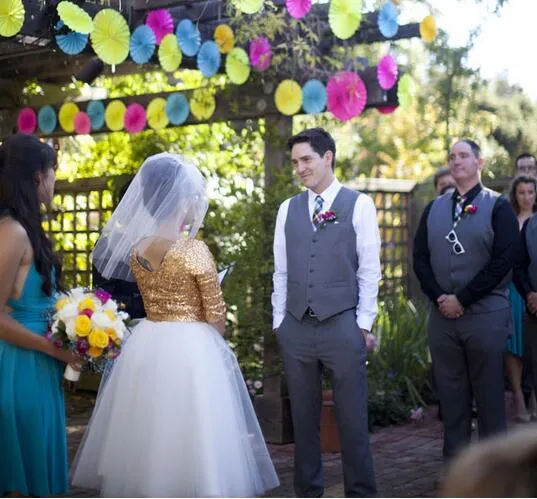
370 340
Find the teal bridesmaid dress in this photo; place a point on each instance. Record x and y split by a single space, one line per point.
33 444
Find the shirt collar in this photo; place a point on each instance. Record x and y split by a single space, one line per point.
470 195
328 195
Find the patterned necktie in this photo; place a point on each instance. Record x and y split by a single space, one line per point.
317 211
459 207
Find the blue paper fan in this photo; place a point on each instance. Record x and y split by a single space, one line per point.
47 119
209 58
189 37
388 20
72 43
177 109
314 97
142 45
96 111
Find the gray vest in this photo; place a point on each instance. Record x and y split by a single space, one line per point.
322 264
474 231
531 243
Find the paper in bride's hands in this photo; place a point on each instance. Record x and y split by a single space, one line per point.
224 273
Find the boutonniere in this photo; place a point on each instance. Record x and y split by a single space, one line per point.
470 209
327 217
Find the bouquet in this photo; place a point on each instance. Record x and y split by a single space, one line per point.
90 324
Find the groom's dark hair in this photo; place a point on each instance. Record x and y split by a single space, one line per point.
319 140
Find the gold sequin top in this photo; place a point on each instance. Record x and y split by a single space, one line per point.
184 288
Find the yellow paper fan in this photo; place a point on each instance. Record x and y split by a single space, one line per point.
288 97
202 104
344 17
66 116
11 17
110 37
248 6
156 114
169 53
224 38
114 115
75 18
238 66
428 29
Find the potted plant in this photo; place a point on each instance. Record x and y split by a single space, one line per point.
329 431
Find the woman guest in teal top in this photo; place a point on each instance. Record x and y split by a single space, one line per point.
33 450
522 196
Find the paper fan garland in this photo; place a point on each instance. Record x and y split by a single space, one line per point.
82 123
288 97
72 43
11 17
209 58
135 119
248 6
26 120
161 22
189 37
428 29
260 53
298 8
66 116
344 17
177 109
96 113
238 66
406 90
47 120
156 114
313 97
110 37
202 104
114 115
388 21
75 18
169 53
142 44
347 95
386 109
387 72
224 38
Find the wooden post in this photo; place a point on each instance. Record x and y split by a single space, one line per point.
273 409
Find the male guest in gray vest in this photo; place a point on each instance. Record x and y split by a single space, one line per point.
464 250
525 278
327 268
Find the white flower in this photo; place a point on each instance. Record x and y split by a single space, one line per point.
110 305
123 316
69 311
258 347
77 293
258 384
70 329
100 320
119 328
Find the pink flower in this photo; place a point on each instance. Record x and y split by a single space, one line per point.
470 209
82 346
49 335
416 414
103 296
87 312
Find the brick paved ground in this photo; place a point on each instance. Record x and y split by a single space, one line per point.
407 458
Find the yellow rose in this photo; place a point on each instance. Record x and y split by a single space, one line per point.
113 335
82 325
98 338
110 315
95 352
61 303
86 304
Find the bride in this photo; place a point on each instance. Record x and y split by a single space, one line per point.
174 418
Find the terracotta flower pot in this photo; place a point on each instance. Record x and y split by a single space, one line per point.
329 431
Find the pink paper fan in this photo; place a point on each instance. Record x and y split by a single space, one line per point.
260 53
161 22
386 109
27 120
135 118
387 72
298 8
82 123
347 95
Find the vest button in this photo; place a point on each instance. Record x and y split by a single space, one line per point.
312 255
309 301
310 286
314 240
312 270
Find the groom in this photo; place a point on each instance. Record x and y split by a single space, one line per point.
326 273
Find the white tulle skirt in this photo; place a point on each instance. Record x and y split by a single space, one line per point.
174 419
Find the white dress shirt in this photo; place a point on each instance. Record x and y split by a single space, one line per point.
364 221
